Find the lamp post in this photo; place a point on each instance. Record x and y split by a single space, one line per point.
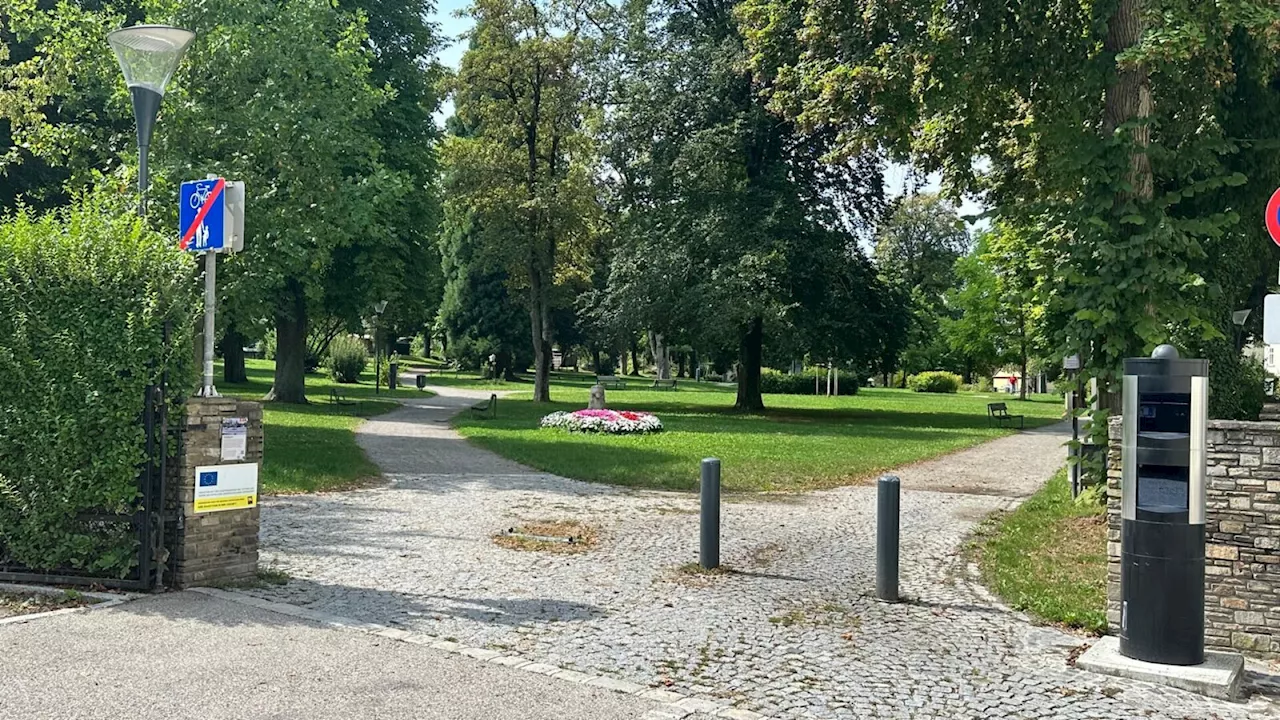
377 344
148 56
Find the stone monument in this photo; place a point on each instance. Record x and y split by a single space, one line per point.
597 398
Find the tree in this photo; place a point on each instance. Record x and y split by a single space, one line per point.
316 184
724 211
1102 125
526 171
916 249
477 312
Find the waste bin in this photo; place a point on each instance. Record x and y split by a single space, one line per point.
421 380
393 374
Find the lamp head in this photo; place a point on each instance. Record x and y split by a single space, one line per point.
380 306
1240 316
149 54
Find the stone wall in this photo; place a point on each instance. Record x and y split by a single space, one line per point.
1242 535
214 547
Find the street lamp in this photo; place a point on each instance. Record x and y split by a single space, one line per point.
378 308
148 55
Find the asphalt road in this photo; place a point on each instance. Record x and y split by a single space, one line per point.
187 655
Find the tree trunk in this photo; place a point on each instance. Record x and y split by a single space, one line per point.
681 357
1128 97
538 320
622 361
750 355
1022 332
595 360
233 370
635 362
291 349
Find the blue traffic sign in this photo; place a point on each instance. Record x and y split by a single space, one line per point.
201 206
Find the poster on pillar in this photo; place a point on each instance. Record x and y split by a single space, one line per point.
226 487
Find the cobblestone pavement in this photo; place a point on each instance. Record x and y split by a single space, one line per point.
789 632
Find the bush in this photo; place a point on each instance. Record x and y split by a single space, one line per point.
418 347
347 359
85 293
934 381
780 383
386 368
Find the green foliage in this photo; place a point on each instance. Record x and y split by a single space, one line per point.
347 359
934 381
85 294
780 383
418 347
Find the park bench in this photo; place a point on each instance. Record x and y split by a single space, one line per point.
611 382
998 413
488 407
660 384
336 397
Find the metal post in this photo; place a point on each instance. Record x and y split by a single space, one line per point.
377 355
210 300
709 545
888 490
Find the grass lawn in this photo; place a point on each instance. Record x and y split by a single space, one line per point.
1049 557
313 447
799 443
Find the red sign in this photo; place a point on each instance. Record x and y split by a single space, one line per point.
1273 217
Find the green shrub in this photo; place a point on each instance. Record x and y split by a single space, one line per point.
347 359
85 293
780 383
934 381
386 368
418 347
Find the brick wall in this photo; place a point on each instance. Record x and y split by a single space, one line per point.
1242 535
216 547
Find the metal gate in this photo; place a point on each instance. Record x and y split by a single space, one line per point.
146 521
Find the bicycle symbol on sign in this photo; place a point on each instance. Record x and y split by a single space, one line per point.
198 197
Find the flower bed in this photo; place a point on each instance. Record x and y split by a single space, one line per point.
604 421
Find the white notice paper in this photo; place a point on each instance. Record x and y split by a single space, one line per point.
235 438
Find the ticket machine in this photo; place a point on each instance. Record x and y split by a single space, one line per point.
1162 492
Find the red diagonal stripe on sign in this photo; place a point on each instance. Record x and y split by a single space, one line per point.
204 210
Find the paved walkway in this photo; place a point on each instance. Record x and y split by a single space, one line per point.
791 633
189 656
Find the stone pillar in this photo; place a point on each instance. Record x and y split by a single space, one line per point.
212 547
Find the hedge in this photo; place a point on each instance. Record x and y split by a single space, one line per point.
780 383
84 295
935 381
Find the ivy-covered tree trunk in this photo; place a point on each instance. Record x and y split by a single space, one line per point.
750 356
233 370
1128 97
289 384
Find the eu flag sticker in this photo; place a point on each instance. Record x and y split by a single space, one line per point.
208 479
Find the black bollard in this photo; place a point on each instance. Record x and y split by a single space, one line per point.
888 490
709 493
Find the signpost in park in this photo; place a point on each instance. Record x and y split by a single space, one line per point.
210 220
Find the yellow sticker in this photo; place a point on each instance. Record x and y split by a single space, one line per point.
236 502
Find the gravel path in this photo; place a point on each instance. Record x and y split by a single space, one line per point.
791 632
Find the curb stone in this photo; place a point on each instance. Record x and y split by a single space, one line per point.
675 706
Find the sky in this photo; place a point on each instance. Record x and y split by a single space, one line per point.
452 27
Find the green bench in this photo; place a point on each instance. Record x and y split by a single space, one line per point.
998 413
660 384
488 408
611 382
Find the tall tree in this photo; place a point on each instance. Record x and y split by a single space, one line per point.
1102 125
525 174
724 208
